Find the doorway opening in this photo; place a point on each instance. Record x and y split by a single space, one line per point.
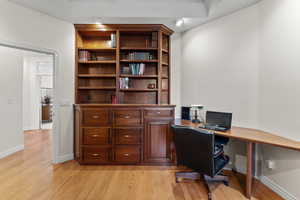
28 97
38 102
37 91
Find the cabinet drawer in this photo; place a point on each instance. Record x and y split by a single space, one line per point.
128 136
96 136
159 112
127 118
95 117
127 154
96 154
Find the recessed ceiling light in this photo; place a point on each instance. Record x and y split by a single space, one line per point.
179 22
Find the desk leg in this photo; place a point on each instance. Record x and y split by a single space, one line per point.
249 178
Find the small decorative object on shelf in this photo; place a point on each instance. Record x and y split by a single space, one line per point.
99 58
113 40
113 99
151 86
125 70
139 56
137 69
84 55
124 83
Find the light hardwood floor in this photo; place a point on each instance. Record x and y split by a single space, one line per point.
29 175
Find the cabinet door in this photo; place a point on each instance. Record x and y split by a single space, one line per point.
158 141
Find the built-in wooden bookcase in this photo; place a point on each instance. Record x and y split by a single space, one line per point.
122 64
123 113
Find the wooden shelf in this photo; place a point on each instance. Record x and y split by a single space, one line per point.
138 76
165 77
138 48
96 75
163 63
96 88
139 61
138 90
98 49
97 62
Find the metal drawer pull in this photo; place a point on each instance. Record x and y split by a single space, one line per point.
95 154
127 117
158 112
126 154
126 136
95 117
95 136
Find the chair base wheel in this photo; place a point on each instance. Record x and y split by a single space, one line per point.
207 179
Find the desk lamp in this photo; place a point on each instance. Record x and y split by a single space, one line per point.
197 115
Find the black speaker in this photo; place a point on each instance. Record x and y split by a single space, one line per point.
186 113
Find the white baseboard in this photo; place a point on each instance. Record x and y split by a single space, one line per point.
277 188
65 158
10 151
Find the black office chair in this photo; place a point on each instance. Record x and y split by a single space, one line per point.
220 140
196 149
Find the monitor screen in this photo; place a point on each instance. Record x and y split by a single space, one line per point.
220 119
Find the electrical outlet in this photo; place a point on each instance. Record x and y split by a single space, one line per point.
271 164
240 163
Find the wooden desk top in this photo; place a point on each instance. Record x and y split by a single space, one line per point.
252 135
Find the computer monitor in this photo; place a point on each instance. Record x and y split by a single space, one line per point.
220 119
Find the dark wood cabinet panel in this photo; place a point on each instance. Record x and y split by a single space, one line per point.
127 118
46 113
158 141
96 117
128 135
127 154
96 155
159 112
96 136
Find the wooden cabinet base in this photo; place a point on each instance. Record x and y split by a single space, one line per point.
124 134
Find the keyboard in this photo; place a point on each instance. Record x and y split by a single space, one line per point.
214 128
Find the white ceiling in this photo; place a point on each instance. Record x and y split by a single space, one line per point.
194 12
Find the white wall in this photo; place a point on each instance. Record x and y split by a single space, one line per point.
220 66
279 87
11 136
280 67
31 95
248 63
176 72
25 26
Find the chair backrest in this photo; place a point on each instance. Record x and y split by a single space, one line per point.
195 148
